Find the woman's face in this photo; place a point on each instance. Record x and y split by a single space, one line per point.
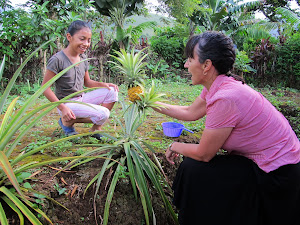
81 40
195 68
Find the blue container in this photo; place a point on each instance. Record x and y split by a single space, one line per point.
172 129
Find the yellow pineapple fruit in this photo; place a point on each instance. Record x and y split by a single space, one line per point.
133 93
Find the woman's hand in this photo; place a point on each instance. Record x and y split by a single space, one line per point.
171 155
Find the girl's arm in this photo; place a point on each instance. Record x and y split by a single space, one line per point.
67 113
91 83
187 113
210 143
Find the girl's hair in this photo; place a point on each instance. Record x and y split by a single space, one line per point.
214 46
77 26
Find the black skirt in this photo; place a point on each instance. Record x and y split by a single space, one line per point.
233 190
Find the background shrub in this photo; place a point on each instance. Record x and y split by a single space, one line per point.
169 44
287 64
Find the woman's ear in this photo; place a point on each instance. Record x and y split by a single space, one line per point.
207 65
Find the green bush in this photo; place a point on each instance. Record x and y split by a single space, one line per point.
169 44
286 68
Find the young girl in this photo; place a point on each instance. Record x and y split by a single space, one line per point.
102 100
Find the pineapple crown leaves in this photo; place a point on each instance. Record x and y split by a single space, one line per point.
149 98
131 64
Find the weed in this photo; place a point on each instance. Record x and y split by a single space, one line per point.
59 189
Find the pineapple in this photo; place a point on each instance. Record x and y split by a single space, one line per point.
148 99
131 66
133 93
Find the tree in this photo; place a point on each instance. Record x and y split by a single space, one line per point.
130 6
118 11
268 8
210 14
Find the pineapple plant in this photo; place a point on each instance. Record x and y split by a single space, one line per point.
149 98
131 66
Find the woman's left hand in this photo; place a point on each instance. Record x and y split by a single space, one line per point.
171 156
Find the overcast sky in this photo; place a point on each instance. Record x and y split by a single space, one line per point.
151 2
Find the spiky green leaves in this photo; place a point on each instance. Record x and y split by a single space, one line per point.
130 65
149 98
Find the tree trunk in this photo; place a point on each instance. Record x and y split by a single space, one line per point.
43 55
100 71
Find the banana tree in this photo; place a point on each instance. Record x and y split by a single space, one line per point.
221 15
118 11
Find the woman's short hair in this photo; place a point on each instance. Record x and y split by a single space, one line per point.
76 26
214 46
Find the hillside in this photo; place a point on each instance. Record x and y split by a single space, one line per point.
161 21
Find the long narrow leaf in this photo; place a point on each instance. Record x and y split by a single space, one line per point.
130 167
2 67
31 217
3 218
8 170
154 179
15 76
142 186
7 117
110 192
15 208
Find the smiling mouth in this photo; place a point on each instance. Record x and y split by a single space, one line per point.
82 49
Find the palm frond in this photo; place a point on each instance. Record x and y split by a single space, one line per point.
289 15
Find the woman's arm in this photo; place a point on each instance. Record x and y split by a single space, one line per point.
91 83
187 113
210 143
67 113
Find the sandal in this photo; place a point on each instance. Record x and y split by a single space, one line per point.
97 136
67 130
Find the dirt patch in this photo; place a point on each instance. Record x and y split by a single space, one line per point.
68 188
124 209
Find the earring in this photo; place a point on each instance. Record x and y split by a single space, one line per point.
205 73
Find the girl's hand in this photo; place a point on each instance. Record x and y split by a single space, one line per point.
171 155
67 114
112 85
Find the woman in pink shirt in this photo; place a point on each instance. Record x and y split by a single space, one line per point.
258 181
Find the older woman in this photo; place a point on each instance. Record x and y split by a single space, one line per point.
258 181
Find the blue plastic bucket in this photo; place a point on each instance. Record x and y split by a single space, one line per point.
172 129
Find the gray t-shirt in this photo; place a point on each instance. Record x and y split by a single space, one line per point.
73 79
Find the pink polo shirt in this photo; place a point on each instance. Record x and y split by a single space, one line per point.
260 132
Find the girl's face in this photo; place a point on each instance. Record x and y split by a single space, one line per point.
81 40
195 68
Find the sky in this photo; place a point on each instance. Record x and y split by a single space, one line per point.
154 2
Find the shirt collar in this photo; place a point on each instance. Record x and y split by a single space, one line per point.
216 84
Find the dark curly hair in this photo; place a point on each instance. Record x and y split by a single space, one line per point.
76 26
215 46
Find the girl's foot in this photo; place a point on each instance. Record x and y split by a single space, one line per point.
67 130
